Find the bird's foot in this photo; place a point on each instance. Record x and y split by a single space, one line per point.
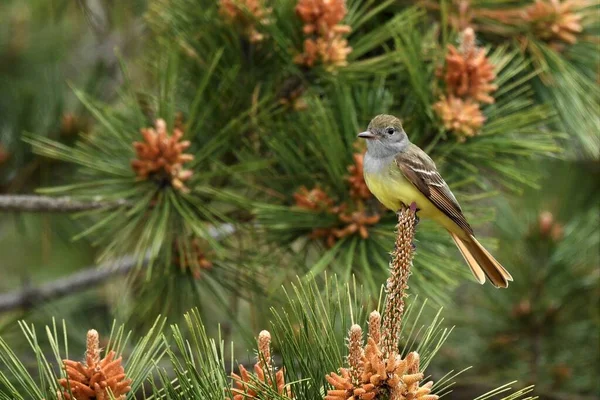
413 207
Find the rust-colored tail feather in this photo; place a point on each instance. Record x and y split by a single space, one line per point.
481 262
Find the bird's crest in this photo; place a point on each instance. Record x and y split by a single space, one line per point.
383 121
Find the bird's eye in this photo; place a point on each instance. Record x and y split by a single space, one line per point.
390 131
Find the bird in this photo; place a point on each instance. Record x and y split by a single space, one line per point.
399 173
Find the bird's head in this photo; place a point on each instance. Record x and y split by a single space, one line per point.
385 135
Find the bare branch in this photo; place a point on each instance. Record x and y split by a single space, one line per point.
89 277
53 204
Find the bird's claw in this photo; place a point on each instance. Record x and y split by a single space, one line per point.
413 207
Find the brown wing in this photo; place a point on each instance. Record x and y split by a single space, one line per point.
420 170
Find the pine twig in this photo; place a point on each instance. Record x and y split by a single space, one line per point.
86 278
29 203
397 283
89 277
378 369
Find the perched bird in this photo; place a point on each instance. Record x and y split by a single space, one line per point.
399 173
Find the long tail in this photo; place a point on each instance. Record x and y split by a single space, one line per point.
481 262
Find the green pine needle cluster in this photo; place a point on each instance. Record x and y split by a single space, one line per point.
19 383
567 78
184 362
261 126
264 129
159 221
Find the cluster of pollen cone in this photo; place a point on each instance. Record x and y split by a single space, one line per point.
377 370
248 385
374 375
354 217
246 13
324 41
324 34
161 156
96 379
195 259
468 77
556 22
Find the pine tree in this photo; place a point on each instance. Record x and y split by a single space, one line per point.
390 366
227 164
279 150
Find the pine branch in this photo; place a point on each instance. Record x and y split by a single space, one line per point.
90 276
82 280
30 203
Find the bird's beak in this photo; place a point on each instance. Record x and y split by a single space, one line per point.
366 135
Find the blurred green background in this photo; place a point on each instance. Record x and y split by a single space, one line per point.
543 330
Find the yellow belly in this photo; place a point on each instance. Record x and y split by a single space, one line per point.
394 191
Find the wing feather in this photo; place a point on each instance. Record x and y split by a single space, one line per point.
420 170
